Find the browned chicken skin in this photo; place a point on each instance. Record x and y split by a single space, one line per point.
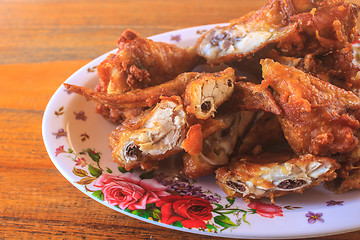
296 27
274 174
318 117
323 29
153 136
139 63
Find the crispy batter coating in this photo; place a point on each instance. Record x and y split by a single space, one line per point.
318 117
252 97
247 34
296 27
139 98
336 67
265 132
153 136
323 29
139 63
193 142
217 148
203 96
214 88
274 174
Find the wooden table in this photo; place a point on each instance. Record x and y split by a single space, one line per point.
42 43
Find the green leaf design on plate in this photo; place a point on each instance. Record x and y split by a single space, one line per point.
94 171
231 200
98 194
95 156
141 213
211 227
147 175
224 221
156 214
218 207
177 224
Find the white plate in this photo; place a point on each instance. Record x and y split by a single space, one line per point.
74 134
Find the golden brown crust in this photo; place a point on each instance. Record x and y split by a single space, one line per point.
318 117
150 137
140 63
327 27
203 96
193 141
274 174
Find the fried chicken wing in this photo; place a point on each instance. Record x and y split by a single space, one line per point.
274 174
252 97
318 117
327 27
139 63
139 98
150 137
348 176
295 27
216 148
336 67
208 89
265 132
204 95
342 185
247 34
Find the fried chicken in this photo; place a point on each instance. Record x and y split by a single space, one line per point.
293 27
140 63
247 34
327 27
274 174
265 132
216 148
153 136
318 117
252 97
204 95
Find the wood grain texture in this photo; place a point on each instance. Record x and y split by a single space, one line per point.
42 43
65 30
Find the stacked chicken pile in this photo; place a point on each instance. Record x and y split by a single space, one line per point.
270 102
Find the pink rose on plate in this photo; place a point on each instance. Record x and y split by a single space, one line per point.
129 191
266 209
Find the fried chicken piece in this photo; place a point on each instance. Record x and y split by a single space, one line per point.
247 34
348 176
295 27
150 137
204 95
140 63
345 183
139 98
252 97
212 88
216 148
329 26
273 174
265 132
336 67
318 117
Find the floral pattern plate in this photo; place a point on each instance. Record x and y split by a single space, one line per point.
77 141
